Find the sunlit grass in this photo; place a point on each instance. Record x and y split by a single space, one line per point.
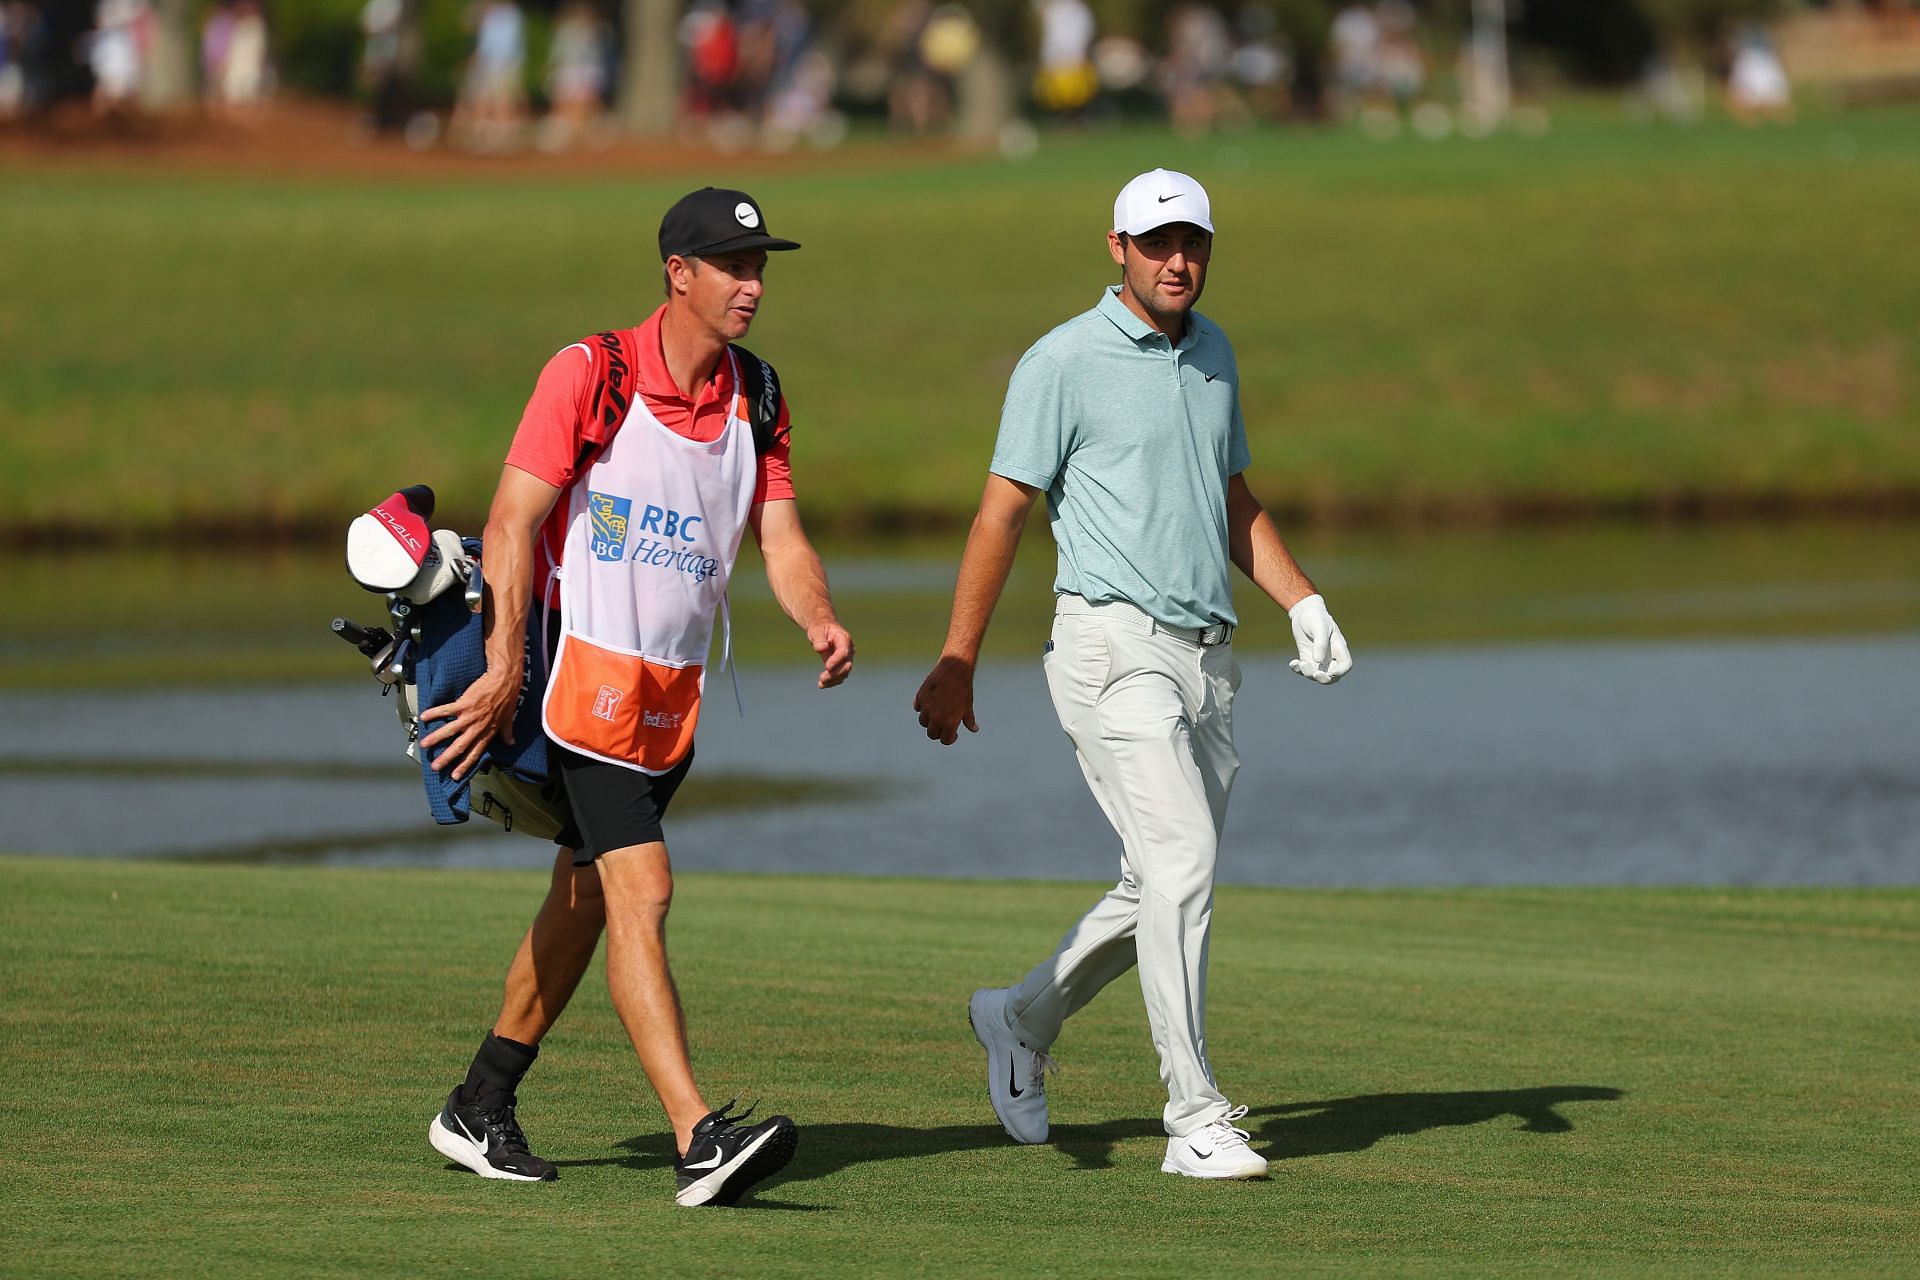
229 1071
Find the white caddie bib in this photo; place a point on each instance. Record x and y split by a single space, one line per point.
653 529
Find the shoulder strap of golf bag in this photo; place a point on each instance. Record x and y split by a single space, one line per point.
610 392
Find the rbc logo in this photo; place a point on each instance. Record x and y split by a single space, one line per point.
669 523
607 517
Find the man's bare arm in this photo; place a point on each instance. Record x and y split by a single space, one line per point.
799 583
1257 549
945 699
485 711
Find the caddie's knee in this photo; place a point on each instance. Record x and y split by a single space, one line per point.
638 882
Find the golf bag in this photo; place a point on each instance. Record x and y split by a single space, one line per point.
435 648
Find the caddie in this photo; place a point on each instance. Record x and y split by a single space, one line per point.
1128 418
643 457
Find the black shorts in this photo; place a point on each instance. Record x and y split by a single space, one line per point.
613 806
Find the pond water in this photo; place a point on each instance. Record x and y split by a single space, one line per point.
1584 705
1704 762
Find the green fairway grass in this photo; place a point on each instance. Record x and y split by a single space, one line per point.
225 1071
1607 317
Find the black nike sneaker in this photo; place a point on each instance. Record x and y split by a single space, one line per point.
727 1156
484 1136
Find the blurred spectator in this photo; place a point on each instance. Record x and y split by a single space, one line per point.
1199 57
1355 38
216 37
799 99
22 46
493 97
712 46
577 63
1067 80
918 100
1757 85
117 54
387 62
1667 90
802 108
233 60
759 55
1262 66
1402 63
948 46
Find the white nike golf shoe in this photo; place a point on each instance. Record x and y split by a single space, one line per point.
1016 1075
1216 1150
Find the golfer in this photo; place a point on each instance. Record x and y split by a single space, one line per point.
1128 418
642 458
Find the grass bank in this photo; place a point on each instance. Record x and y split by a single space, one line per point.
230 1071
1608 318
158 616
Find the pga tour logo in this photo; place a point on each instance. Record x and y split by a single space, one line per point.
607 702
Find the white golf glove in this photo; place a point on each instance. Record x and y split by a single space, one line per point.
1323 650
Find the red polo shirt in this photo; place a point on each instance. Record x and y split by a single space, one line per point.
547 443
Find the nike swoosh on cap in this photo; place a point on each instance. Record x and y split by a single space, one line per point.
1163 199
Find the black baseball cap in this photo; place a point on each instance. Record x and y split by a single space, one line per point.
715 220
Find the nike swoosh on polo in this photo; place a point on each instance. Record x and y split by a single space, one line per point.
1212 376
712 1162
1013 1083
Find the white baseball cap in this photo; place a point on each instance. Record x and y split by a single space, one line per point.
1158 197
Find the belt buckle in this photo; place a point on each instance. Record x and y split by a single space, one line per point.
1214 635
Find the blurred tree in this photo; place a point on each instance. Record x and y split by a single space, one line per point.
650 64
169 74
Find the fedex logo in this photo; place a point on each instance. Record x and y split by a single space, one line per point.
661 719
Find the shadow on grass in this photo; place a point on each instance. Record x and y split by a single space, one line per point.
1293 1130
1288 1131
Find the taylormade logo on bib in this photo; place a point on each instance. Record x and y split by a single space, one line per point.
611 521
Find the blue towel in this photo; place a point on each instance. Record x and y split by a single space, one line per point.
452 655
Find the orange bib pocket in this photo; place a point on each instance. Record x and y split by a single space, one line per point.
621 707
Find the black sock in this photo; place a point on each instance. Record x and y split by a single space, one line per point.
498 1067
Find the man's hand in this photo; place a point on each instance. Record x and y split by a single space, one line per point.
945 700
1323 650
473 720
835 647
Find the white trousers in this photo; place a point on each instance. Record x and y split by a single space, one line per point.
1151 719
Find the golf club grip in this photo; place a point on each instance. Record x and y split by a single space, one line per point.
352 632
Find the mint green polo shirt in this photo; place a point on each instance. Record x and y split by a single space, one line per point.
1133 440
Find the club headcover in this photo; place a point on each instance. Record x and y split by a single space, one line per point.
387 547
445 566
